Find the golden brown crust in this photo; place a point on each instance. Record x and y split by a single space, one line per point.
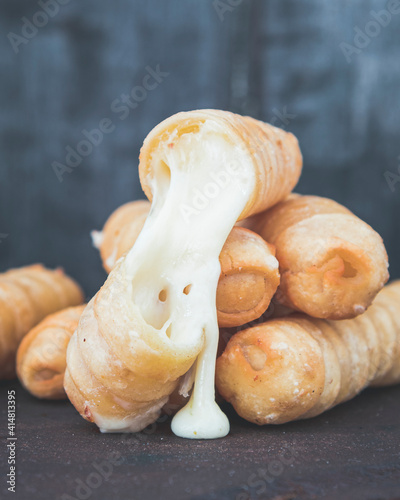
41 356
121 231
299 366
332 264
249 278
270 371
27 295
123 384
275 155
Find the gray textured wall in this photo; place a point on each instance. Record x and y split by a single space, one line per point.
278 60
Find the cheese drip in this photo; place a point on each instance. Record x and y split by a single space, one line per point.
199 190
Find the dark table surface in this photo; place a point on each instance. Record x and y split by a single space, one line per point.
351 452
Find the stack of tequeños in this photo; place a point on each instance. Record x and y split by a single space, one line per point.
179 269
153 325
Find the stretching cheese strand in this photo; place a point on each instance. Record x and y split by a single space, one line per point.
27 295
155 317
249 270
249 279
299 367
332 264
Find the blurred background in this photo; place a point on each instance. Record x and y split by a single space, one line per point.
327 71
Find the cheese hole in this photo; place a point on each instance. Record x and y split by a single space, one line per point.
162 296
349 271
45 374
187 289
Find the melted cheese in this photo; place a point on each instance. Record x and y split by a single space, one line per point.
200 186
